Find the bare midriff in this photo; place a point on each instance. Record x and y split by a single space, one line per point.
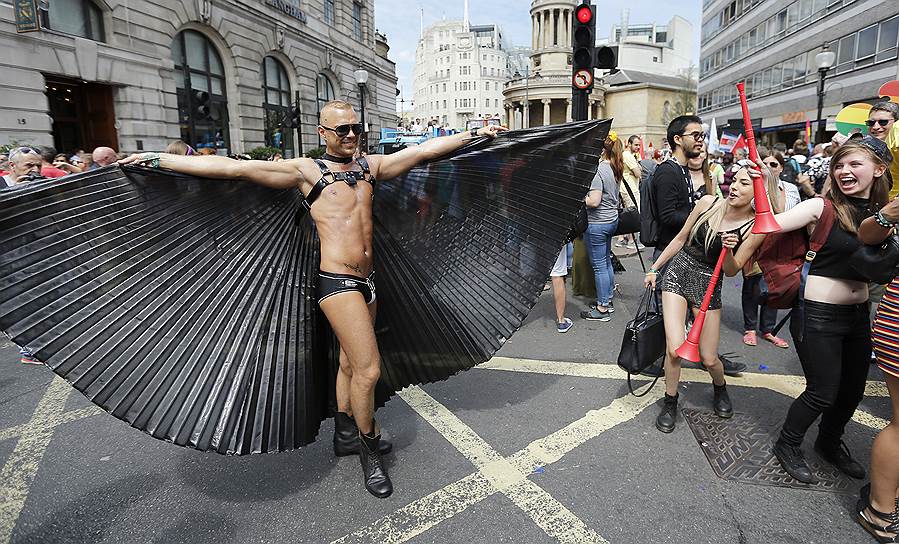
342 215
835 291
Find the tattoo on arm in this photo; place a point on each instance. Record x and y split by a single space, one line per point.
354 267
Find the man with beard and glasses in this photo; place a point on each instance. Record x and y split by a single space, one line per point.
672 195
338 190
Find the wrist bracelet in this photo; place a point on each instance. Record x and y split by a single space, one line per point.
881 220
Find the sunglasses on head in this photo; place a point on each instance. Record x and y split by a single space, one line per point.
773 164
343 130
26 150
881 122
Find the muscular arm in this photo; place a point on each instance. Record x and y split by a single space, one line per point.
397 164
277 175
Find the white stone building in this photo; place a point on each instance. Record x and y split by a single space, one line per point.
137 74
662 50
459 73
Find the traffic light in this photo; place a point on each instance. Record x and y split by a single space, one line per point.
584 37
201 104
295 117
606 58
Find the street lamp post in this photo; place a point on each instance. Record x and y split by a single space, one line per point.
361 79
824 61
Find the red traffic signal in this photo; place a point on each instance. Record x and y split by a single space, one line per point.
584 13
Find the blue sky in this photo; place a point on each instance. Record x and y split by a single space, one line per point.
400 21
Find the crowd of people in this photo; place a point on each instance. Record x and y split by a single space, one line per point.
703 204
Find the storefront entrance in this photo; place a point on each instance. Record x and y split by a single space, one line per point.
83 114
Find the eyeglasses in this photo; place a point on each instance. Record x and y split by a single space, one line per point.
696 135
773 164
881 122
343 130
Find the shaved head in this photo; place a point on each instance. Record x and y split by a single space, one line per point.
334 110
104 156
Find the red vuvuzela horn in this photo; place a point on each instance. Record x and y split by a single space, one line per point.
764 218
689 350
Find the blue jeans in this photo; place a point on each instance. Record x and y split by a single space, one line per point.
599 247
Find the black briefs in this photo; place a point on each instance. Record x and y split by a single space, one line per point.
331 284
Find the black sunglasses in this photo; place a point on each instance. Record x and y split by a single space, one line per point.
696 135
881 122
343 130
26 150
773 164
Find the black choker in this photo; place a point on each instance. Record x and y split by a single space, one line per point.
341 160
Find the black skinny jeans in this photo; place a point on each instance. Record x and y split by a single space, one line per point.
835 355
752 309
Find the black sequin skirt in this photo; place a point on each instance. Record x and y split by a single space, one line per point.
689 277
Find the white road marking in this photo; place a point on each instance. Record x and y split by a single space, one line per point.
417 517
785 384
21 467
549 514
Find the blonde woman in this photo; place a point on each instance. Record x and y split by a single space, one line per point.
714 223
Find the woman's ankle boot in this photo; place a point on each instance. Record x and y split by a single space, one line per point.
668 416
377 482
721 404
346 437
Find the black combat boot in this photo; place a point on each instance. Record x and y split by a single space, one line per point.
837 454
668 416
793 461
346 437
377 482
721 404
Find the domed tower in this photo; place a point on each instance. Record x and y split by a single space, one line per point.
551 22
542 94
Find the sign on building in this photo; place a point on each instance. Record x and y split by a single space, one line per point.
27 17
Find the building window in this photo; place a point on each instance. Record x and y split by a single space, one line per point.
77 17
329 12
357 21
276 107
324 91
200 83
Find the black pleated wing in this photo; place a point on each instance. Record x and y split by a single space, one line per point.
185 306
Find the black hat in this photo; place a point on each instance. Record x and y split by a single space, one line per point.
878 147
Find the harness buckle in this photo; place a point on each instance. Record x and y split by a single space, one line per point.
810 255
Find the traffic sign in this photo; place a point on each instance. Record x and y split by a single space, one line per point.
583 79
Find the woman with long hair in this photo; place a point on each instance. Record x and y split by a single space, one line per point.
832 331
602 215
876 510
756 314
701 176
714 223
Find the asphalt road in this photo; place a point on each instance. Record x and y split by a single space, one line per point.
543 444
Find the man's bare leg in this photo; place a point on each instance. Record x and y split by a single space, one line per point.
344 375
350 318
352 321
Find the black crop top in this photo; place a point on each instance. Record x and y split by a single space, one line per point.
833 259
696 247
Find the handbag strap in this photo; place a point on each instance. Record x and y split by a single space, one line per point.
817 241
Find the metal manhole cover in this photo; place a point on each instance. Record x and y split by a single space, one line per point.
739 449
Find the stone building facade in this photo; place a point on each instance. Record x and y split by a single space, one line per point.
459 73
137 74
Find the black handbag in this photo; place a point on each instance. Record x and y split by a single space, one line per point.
877 263
628 218
644 339
580 224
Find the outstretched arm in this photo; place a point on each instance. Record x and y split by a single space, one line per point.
397 164
277 175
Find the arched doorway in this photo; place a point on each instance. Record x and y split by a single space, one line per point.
202 101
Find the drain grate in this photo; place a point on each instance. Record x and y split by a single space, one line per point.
739 449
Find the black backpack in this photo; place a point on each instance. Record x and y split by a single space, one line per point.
649 223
